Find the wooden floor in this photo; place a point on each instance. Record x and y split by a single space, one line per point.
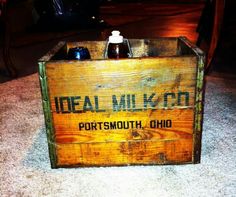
134 20
150 20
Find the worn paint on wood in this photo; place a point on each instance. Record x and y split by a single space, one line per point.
140 110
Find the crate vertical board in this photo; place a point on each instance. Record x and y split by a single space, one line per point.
142 110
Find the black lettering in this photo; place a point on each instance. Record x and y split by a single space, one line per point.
152 124
81 126
159 123
126 125
138 124
112 125
67 100
132 124
168 123
149 101
186 95
119 125
166 102
74 103
128 102
56 104
116 106
106 125
97 105
87 126
87 104
100 125
93 126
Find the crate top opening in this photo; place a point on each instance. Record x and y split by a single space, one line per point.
141 48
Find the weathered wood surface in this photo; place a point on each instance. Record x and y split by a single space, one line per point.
131 111
140 47
125 153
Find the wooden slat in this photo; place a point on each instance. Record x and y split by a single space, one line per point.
125 153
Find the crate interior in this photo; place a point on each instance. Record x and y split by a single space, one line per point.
162 47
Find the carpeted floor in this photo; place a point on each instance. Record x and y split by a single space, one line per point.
25 168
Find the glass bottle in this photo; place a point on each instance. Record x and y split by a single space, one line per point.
116 46
78 53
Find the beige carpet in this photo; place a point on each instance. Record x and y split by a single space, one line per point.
25 168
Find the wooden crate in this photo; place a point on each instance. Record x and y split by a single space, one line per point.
142 110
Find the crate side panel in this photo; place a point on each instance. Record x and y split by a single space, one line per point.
96 48
154 47
47 114
125 153
200 87
124 126
186 47
136 75
86 99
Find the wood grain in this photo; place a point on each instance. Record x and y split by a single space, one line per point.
139 110
125 153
